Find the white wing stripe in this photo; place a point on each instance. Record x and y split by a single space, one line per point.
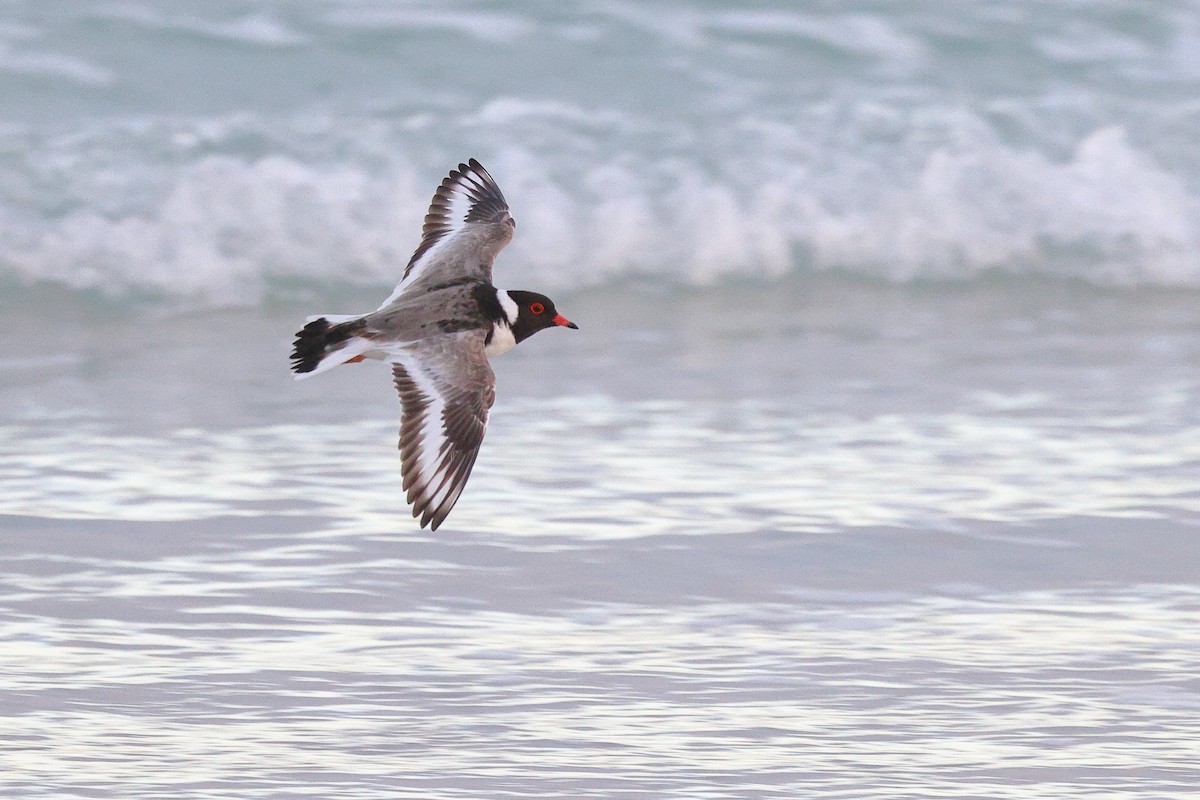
429 255
460 202
432 442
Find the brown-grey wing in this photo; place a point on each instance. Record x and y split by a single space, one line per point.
468 224
446 389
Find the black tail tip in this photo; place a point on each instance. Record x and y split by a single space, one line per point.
309 347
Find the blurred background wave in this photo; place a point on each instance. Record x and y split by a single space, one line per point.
234 153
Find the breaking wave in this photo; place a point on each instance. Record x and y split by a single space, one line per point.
899 145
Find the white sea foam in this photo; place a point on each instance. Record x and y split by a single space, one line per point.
221 228
254 28
53 65
488 26
695 147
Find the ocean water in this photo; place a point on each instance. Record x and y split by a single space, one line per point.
872 471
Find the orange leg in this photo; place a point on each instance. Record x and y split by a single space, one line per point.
356 359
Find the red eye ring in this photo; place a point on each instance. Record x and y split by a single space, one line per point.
537 309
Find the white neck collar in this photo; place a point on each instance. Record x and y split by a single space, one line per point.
511 310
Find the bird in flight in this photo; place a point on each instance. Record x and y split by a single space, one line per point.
438 329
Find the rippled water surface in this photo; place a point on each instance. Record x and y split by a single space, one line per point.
301 664
731 546
872 472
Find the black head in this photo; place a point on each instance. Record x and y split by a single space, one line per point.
535 312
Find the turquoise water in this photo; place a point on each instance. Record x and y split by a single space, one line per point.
222 154
871 472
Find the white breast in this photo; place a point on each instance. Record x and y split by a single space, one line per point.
502 340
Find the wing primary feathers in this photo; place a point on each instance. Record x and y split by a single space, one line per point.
489 204
486 204
467 224
459 483
445 393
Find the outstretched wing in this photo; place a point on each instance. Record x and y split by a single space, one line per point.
467 225
446 389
